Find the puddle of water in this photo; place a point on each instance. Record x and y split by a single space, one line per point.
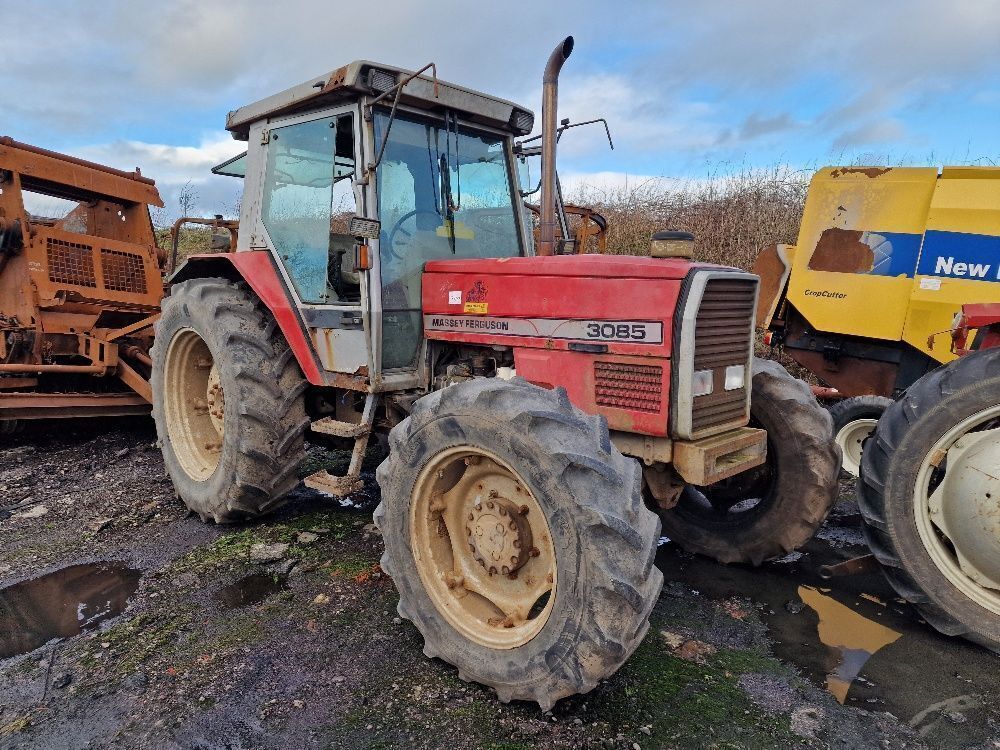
849 632
251 589
852 636
62 604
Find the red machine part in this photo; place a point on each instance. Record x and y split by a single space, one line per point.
600 326
982 317
257 268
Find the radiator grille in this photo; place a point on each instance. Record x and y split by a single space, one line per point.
624 386
70 263
123 272
723 337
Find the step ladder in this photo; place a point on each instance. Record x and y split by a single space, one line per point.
324 481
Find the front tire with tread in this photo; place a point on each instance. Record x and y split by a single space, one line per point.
604 537
794 490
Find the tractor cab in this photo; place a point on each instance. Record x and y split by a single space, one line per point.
355 180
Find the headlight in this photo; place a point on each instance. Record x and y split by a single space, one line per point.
735 377
701 383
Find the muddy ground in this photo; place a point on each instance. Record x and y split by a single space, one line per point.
126 623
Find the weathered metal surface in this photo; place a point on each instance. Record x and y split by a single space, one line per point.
63 405
550 124
712 459
73 289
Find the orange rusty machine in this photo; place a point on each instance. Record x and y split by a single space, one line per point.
80 286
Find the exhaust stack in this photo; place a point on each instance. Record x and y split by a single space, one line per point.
550 123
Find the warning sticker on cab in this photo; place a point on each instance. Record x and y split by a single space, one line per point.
477 308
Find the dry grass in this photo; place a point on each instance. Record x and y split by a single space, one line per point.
732 215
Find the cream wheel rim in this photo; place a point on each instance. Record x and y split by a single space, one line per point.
957 506
851 438
194 404
482 547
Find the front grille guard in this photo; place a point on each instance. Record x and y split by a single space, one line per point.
685 326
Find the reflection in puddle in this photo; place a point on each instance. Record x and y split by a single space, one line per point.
62 604
853 635
251 589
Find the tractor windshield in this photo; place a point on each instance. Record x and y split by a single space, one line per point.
444 191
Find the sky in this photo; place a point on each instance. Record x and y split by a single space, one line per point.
689 89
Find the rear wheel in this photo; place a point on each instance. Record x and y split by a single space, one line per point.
227 401
770 510
929 495
517 537
854 419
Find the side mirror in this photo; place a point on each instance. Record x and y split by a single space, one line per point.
368 229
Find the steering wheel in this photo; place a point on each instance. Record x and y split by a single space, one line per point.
397 227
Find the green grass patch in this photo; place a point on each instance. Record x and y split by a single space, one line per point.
691 704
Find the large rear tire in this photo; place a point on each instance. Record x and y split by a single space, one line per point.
478 471
854 420
227 401
929 495
771 510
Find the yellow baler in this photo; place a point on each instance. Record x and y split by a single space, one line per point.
885 259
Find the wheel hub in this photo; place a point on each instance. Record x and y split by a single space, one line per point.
966 505
499 535
216 399
851 438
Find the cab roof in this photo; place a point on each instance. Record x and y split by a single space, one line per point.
363 77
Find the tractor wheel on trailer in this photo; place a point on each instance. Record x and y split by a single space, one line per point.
854 419
518 539
770 510
929 496
227 401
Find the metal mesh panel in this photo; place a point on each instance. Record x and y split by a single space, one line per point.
123 272
70 263
624 386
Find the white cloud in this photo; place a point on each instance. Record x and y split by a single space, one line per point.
176 168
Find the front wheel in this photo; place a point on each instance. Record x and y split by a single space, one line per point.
774 508
929 495
518 539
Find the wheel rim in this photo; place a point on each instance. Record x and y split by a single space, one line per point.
957 507
194 404
851 438
482 547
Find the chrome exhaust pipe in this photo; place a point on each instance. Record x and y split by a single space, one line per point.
550 124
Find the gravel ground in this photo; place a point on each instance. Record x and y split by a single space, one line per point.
283 633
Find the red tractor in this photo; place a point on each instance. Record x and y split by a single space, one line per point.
930 486
543 410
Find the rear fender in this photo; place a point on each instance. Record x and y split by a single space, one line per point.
257 269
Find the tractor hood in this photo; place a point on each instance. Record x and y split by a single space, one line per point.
590 266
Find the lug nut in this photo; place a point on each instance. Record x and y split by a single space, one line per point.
523 510
533 552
